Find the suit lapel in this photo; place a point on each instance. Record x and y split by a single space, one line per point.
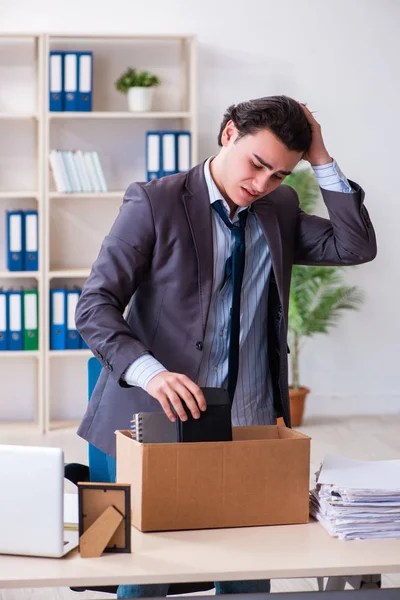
197 206
266 216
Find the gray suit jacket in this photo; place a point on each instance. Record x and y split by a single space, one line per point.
158 258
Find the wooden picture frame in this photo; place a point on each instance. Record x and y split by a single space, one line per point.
104 518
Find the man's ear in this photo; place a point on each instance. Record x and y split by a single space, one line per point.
229 133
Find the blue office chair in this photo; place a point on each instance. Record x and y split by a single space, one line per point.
101 467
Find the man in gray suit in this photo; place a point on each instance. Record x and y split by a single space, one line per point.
169 255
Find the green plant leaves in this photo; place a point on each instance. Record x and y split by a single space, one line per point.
134 78
318 294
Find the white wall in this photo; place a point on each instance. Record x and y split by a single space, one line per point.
343 59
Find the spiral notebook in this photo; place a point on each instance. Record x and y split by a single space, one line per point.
214 424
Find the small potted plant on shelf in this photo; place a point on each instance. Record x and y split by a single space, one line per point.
139 86
318 295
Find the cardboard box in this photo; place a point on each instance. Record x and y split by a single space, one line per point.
260 478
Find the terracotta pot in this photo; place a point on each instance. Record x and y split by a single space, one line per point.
297 401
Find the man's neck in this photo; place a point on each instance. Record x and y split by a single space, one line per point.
215 170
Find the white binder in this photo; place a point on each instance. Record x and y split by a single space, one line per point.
184 153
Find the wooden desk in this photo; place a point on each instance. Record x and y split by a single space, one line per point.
210 555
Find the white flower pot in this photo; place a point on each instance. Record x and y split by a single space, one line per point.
140 99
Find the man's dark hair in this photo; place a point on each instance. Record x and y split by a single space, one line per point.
281 115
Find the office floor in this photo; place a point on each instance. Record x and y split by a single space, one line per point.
363 437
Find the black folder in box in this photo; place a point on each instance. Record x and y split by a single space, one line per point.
214 424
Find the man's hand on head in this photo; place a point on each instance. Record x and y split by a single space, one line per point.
317 153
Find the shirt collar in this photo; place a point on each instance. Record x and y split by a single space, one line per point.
214 193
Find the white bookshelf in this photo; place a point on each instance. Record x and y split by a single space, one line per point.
72 225
21 112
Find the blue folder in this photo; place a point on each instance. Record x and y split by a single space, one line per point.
58 314
73 341
31 237
85 81
56 76
3 321
153 155
70 81
169 153
15 321
15 240
184 154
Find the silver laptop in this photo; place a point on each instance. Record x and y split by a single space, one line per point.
32 502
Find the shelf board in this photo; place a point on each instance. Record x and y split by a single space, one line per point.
20 354
68 353
18 427
119 115
19 274
63 424
18 116
61 273
122 36
19 194
83 195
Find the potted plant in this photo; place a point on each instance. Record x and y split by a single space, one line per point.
318 295
139 86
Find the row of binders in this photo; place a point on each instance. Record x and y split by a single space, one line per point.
22 240
70 81
358 499
167 153
63 332
19 320
77 171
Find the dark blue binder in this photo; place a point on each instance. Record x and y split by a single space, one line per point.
73 341
56 76
15 321
85 81
153 155
82 344
3 321
58 314
70 81
31 237
15 240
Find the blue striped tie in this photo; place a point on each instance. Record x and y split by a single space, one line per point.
234 267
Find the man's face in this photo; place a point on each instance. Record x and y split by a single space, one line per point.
254 165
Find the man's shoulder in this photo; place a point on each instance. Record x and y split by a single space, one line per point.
282 198
168 184
173 186
285 194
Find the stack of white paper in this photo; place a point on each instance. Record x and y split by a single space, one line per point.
356 499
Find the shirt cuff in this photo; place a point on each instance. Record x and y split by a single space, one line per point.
142 370
330 177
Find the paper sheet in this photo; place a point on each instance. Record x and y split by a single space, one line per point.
359 474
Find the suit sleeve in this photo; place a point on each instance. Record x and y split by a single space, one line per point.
346 238
124 258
